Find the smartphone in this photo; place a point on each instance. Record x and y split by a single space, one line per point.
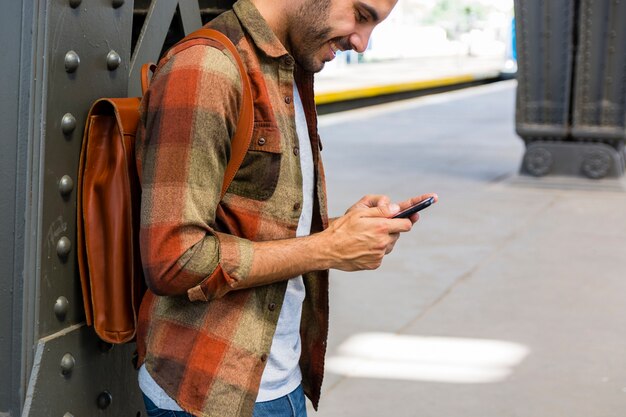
414 208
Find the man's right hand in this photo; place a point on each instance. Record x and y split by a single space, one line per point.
361 238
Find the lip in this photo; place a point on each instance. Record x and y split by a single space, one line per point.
333 48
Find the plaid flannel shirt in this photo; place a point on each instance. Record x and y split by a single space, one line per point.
202 340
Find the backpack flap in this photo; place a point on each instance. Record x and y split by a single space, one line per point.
109 198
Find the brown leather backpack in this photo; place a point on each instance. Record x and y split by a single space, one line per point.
108 203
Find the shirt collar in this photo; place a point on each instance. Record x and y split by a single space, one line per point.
257 28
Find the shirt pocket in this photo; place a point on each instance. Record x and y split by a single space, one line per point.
258 175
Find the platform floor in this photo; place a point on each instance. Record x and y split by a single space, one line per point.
504 300
343 82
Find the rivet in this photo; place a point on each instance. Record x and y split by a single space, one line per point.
117 3
67 364
72 61
61 306
104 400
75 3
66 185
64 246
68 123
113 60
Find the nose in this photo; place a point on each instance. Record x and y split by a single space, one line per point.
360 39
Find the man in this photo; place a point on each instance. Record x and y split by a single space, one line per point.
236 318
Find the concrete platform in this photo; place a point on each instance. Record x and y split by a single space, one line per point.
506 299
358 81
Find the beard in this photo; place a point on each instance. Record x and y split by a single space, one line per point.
310 33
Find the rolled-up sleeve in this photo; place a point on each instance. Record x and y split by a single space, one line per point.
188 117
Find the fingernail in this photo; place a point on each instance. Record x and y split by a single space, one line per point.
394 208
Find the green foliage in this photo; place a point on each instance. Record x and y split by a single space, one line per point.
458 11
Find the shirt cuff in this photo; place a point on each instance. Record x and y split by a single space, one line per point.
235 263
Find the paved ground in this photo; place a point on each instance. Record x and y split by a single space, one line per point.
505 299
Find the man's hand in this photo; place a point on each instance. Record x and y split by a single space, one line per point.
370 201
355 241
411 201
366 233
362 237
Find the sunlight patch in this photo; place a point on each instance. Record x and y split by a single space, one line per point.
419 358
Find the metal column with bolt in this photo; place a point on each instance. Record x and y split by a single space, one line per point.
571 100
599 105
65 54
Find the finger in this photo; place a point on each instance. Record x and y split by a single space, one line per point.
374 200
414 200
382 200
388 210
394 238
399 225
414 218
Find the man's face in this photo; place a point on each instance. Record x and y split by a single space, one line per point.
320 28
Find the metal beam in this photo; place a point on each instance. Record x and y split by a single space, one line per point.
151 40
12 180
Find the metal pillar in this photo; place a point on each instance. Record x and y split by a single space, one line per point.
571 99
15 89
64 55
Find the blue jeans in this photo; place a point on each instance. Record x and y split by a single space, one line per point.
153 411
291 405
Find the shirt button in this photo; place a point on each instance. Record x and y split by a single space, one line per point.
296 151
261 141
272 306
296 206
288 61
264 357
288 100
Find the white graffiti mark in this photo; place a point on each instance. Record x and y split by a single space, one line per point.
57 228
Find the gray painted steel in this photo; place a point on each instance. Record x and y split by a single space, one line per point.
97 369
592 160
13 157
545 46
72 45
600 85
64 54
79 30
572 86
154 32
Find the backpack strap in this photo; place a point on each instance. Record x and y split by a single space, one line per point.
146 69
243 133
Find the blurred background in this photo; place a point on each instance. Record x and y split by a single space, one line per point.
439 28
507 297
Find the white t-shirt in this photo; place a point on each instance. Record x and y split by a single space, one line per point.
282 373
